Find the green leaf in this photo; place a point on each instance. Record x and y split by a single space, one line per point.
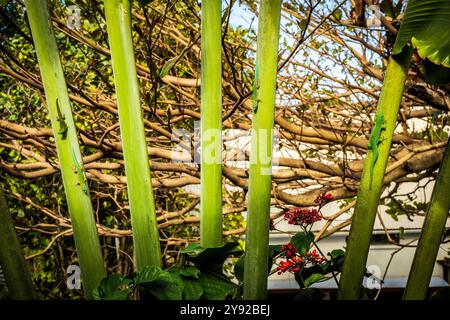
192 289
303 24
162 284
435 74
302 241
114 287
337 257
239 268
192 286
315 277
274 250
168 66
212 259
337 14
216 287
426 27
193 248
190 271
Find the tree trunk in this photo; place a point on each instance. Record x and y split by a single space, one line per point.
260 178
370 188
432 231
71 163
12 262
137 169
211 125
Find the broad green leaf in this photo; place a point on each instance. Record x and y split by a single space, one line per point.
302 241
192 286
212 258
192 289
190 271
162 284
426 27
216 287
193 249
315 277
147 275
336 254
305 273
114 287
436 74
239 268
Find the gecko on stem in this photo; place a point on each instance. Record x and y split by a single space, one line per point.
62 123
375 140
79 171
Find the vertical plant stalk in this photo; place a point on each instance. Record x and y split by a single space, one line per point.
12 262
211 125
370 189
432 232
71 163
137 169
260 179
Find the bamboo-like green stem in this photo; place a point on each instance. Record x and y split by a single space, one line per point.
12 262
369 192
431 236
211 125
139 184
72 169
260 179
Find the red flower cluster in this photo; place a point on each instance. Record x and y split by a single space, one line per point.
323 198
288 250
302 216
314 257
294 262
292 265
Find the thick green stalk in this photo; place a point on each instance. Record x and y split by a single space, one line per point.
431 236
260 179
73 175
139 184
12 262
369 191
211 125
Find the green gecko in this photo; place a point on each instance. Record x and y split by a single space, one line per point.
62 124
255 91
79 171
375 140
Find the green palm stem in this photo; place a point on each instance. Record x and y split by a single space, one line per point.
12 262
211 125
432 231
147 249
260 179
71 163
369 193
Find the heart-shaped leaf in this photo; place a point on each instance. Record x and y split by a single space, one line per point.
302 241
114 287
